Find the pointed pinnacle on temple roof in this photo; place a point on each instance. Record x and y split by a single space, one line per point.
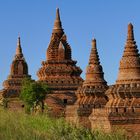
94 71
129 70
130 47
57 24
130 34
94 57
19 49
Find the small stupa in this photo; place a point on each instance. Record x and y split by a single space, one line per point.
91 94
18 71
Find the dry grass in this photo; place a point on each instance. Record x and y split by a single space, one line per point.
20 126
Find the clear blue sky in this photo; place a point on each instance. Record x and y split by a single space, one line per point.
106 20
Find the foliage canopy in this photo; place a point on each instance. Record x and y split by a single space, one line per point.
33 93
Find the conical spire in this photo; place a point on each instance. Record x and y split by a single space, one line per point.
57 24
94 87
130 47
129 70
94 72
94 57
130 34
57 15
19 49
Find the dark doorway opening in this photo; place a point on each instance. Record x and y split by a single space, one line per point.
65 101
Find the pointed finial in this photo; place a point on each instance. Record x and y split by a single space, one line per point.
18 42
93 43
94 72
19 49
130 34
57 23
57 14
94 58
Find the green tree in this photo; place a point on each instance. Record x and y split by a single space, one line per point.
33 94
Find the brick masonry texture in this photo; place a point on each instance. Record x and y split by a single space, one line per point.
90 102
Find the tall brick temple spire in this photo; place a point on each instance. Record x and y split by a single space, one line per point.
94 80
129 71
91 94
94 72
124 96
59 71
19 49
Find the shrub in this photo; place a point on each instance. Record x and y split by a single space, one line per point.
33 94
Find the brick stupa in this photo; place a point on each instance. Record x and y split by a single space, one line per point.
124 96
59 71
19 70
94 86
91 94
